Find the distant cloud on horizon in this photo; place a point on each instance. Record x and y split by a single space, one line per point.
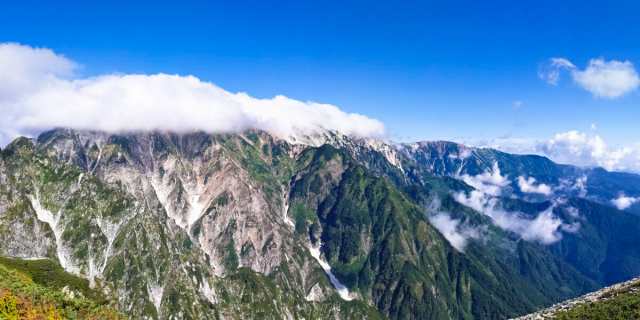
572 147
40 91
603 79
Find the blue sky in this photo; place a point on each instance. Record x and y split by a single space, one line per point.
428 70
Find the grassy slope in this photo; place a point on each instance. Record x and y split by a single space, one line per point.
34 289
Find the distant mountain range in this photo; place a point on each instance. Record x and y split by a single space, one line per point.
248 225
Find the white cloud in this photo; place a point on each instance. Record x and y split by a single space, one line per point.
476 200
590 150
490 182
529 185
623 202
607 79
545 228
39 91
604 79
581 186
24 69
452 229
572 147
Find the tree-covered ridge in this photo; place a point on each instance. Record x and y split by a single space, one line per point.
380 243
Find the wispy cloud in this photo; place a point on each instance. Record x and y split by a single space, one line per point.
545 228
454 231
40 90
550 72
604 79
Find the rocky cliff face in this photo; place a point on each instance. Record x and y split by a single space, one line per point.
161 220
198 226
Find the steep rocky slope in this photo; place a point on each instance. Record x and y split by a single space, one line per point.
202 226
165 221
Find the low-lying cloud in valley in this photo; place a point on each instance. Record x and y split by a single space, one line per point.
529 185
489 182
623 202
545 227
454 231
40 90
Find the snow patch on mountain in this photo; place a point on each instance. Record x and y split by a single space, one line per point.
110 231
53 220
387 150
156 293
208 292
285 210
342 290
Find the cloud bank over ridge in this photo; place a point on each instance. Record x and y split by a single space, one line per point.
40 90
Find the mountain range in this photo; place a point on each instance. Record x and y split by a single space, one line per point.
252 225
